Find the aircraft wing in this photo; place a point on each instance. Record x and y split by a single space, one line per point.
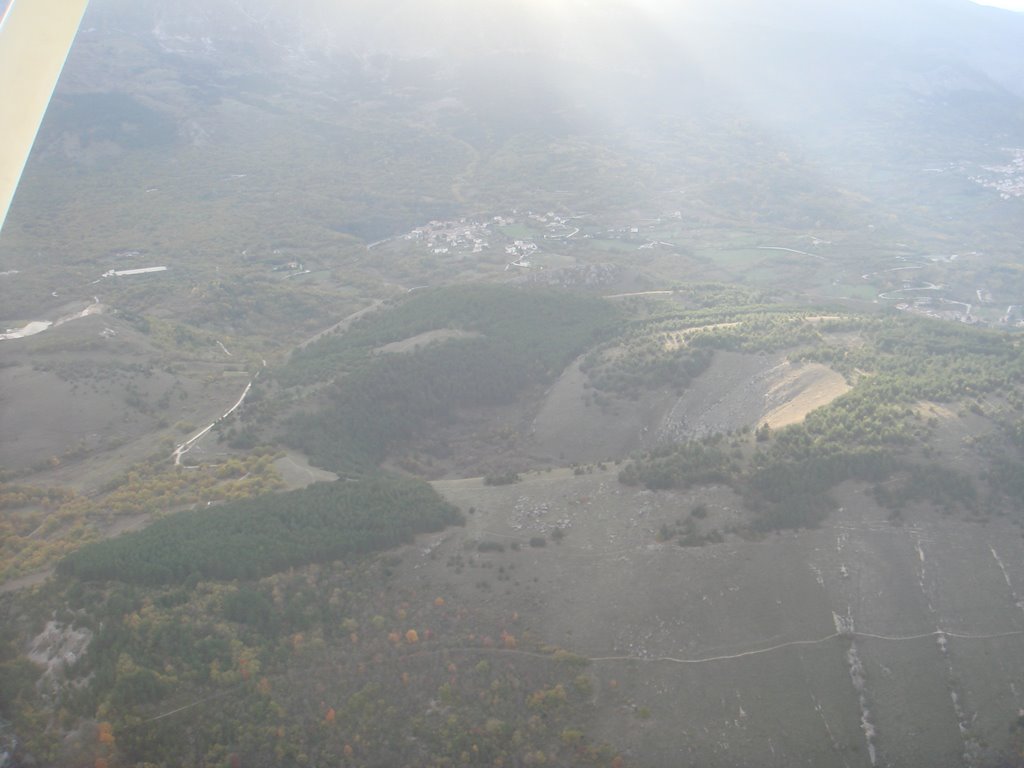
35 37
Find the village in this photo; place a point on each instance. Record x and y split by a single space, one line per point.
1009 178
516 233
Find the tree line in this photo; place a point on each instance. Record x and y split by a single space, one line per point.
255 537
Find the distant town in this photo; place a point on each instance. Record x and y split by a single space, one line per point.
1008 179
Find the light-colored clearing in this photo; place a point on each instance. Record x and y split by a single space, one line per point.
428 337
800 390
297 472
928 409
36 326
680 338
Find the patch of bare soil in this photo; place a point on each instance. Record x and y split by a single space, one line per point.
729 395
428 337
741 390
797 390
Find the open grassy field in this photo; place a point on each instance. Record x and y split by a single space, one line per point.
856 644
83 390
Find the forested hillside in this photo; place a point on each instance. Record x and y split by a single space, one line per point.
875 433
526 338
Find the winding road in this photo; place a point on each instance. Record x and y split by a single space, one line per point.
185 447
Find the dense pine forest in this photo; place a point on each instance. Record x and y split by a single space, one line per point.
257 537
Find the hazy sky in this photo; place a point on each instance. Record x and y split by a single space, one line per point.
1013 5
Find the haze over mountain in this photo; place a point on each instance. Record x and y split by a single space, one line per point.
518 383
850 87
906 63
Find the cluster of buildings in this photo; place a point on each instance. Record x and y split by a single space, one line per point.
1010 180
130 272
520 251
465 236
444 237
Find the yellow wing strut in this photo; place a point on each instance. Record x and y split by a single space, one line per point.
35 37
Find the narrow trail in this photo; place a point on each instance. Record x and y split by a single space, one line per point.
343 323
639 293
478 651
789 250
821 641
187 446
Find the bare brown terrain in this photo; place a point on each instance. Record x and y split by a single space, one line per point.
799 389
730 395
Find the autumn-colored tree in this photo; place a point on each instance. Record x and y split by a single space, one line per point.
329 717
105 734
412 637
